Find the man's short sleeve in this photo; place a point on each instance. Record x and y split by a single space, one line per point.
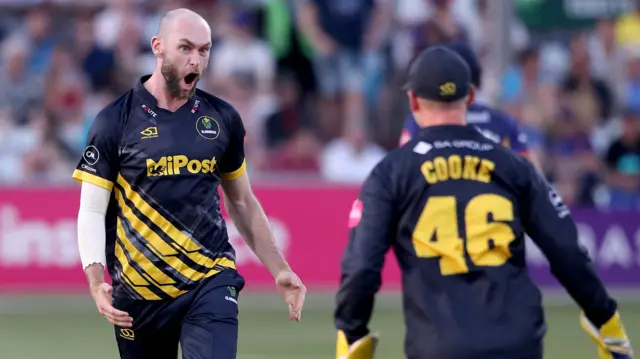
99 163
233 163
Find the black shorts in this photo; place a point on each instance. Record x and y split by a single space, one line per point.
204 321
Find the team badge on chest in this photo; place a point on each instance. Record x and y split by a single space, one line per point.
208 127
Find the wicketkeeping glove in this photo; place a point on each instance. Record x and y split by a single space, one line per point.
363 348
611 338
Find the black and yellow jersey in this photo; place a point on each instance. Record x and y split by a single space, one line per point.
165 232
455 206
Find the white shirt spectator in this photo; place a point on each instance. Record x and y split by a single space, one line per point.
342 162
253 57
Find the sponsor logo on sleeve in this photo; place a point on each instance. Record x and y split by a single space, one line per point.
356 213
91 155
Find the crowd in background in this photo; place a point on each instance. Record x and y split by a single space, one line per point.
318 84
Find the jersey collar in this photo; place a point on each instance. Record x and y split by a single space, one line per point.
191 105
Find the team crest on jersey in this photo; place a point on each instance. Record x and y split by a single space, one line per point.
208 127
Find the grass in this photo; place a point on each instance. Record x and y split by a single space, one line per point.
67 327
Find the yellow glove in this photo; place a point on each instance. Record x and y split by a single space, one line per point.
363 348
611 338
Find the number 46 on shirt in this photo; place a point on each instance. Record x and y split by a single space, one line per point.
436 234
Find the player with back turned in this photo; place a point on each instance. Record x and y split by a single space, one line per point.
491 122
150 208
455 207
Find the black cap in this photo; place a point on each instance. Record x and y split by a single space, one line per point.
439 74
466 52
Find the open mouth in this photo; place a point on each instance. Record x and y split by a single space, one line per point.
191 77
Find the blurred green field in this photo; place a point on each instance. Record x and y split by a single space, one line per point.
67 327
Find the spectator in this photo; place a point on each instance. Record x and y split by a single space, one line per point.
347 35
574 165
628 28
118 17
290 118
442 26
299 154
350 159
482 34
589 98
19 88
39 38
241 53
607 58
623 165
97 62
66 91
291 50
46 159
631 94
14 143
530 99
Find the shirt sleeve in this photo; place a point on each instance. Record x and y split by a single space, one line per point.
233 164
99 164
549 224
371 223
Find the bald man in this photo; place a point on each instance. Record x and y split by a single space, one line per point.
150 208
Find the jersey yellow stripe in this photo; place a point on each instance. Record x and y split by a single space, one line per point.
182 242
82 176
225 262
229 176
145 292
151 272
158 246
128 270
131 276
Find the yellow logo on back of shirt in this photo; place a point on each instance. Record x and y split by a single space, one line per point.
149 132
179 164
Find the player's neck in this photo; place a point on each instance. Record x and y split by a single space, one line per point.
427 119
158 89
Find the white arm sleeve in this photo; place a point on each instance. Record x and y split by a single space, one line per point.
91 231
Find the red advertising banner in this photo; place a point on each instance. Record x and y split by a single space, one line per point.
38 248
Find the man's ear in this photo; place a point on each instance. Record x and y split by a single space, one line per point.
472 95
156 46
414 104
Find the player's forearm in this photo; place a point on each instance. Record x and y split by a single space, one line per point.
354 304
360 281
577 274
95 275
253 225
91 232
